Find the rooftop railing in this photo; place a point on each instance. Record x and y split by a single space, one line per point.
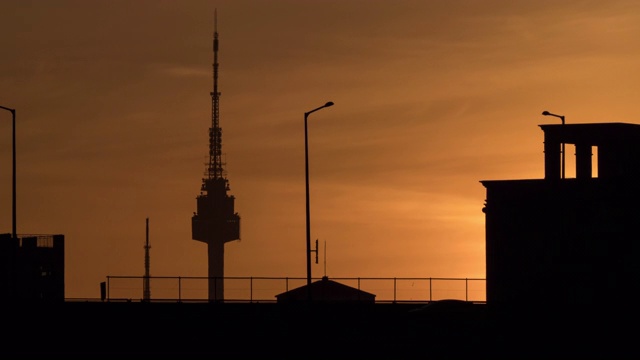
265 289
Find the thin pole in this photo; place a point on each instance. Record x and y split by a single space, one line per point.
325 257
13 204
146 292
306 173
563 153
13 201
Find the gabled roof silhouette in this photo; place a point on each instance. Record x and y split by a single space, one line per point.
326 290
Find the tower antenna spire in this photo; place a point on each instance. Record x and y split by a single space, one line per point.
215 166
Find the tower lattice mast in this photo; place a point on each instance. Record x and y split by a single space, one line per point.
215 169
146 291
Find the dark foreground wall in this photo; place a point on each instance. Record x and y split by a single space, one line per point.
303 331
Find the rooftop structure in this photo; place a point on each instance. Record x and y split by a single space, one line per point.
568 241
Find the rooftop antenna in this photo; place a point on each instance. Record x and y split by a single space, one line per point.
315 251
146 292
325 258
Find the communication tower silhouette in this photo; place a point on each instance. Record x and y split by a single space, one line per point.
215 222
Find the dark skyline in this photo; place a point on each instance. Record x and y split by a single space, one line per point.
113 108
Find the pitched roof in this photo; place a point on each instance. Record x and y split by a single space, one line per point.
326 290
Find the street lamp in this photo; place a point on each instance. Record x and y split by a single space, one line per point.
546 113
306 167
13 207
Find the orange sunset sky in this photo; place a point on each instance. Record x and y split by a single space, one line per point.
431 97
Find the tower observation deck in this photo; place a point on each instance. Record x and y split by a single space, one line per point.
215 222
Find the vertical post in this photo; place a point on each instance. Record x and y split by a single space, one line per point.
394 290
552 156
146 286
308 216
306 173
561 117
430 290
563 153
215 288
583 161
13 190
466 289
13 199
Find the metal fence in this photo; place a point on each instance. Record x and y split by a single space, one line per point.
265 289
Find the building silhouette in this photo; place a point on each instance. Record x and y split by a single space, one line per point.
32 268
215 222
328 291
568 242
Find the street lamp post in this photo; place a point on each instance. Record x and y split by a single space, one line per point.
13 203
546 113
306 167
